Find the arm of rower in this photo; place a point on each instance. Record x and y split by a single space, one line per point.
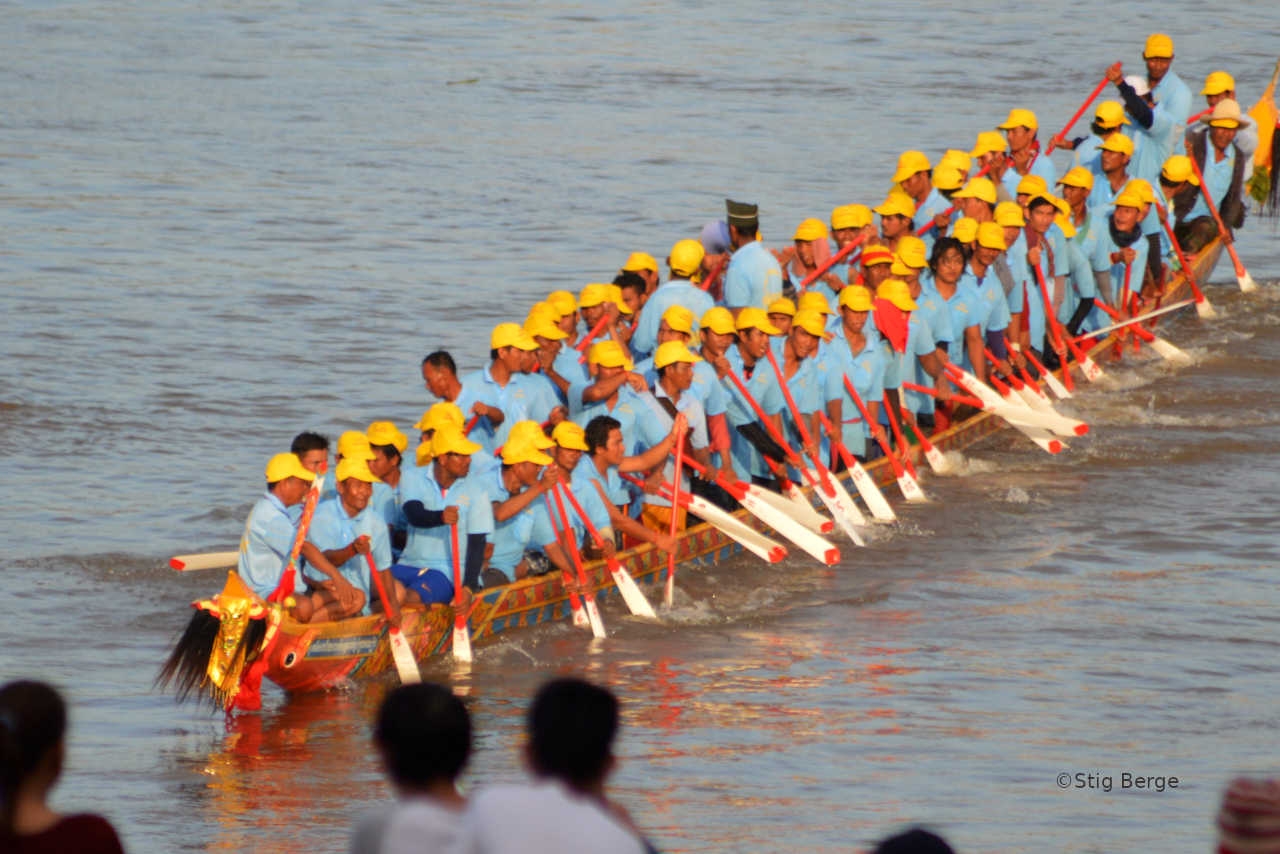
504 510
973 347
624 523
320 561
603 389
932 364
647 460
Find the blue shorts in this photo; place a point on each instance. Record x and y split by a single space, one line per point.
431 585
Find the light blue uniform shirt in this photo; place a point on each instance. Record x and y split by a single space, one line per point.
626 410
582 484
1217 178
265 547
537 396
674 292
921 341
1173 96
1102 261
567 365
510 536
933 204
386 504
966 308
430 548
655 425
753 277
763 386
708 389
1152 146
1043 166
865 370
331 528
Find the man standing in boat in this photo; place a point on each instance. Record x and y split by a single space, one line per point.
1222 163
754 276
1167 88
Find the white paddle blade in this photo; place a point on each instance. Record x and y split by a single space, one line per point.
806 512
402 654
209 560
843 510
1169 351
637 604
461 643
593 614
580 618
813 543
871 494
910 487
735 529
806 517
1055 385
1205 309
1091 370
937 461
1246 282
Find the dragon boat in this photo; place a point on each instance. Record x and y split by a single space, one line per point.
234 639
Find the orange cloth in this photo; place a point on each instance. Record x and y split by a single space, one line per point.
657 518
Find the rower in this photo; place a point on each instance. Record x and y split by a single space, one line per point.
1024 150
1154 130
550 340
896 214
439 414
1179 186
1173 96
684 265
847 223
346 529
522 547
674 363
1222 163
634 290
434 498
981 276
915 176
990 151
718 335
754 275
1221 86
930 330
1076 186
386 446
1114 155
812 250
802 376
1119 243
515 396
891 314
1026 303
781 312
269 534
877 261
476 399
977 199
645 266
965 306
854 354
567 364
600 470
1074 263
747 436
1010 218
614 390
599 302
676 325
313 452
1108 119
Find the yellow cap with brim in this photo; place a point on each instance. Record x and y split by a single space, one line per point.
899 204
810 321
637 261
1158 46
516 451
686 257
1110 115
359 469
1009 215
594 294
542 311
782 305
810 229
563 301
961 160
876 254
511 335
897 292
814 301
850 216
989 142
965 230
678 319
1143 188
1020 118
543 328
1129 199
991 236
423 455
1119 143
755 318
615 294
570 436
856 298
287 465
1063 222
444 412
609 354
1032 185
1078 176
719 320
909 163
947 177
978 188
451 440
672 352
354 445
386 433
913 251
1177 169
531 433
1218 82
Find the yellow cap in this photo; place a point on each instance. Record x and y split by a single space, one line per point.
1032 185
1159 46
876 254
755 318
530 433
671 352
423 455
518 451
856 298
359 469
961 160
850 216
896 292
678 319
1178 169
1064 222
913 252
978 188
719 320
1110 115
354 445
909 163
1078 176
286 465
1064 209
444 412
571 436
1143 188
991 236
543 311
511 335
594 294
810 321
451 440
563 302
1226 114
1119 143
947 177
988 142
385 433
782 305
1129 199
686 257
540 327
1019 118
814 301
898 203
615 295
1218 82
965 230
640 261
609 354
1009 214
810 229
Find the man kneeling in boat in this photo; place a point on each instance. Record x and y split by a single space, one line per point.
269 534
345 529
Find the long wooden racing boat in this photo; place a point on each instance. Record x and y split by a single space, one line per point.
249 639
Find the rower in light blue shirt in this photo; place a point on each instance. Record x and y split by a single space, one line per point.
269 531
1020 130
686 263
340 521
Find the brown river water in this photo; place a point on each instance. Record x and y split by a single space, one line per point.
223 224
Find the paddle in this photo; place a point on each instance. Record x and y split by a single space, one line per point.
1018 410
1088 367
937 462
933 392
1055 384
1203 307
669 592
710 280
1055 327
580 618
401 652
582 345
461 634
1000 405
1062 134
588 594
206 560
1141 318
835 259
1166 349
907 483
871 494
284 588
1243 279
631 593
899 439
